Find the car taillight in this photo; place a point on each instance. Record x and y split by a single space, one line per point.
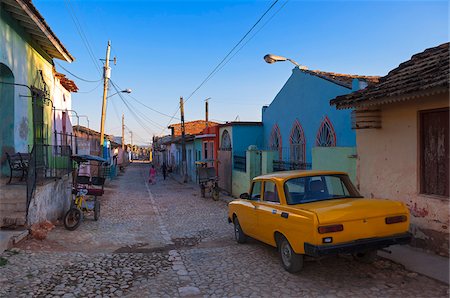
395 219
331 229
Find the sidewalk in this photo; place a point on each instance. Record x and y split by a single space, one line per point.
416 260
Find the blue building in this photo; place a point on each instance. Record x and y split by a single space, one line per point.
300 121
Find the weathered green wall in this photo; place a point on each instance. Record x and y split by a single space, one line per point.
24 58
240 182
335 159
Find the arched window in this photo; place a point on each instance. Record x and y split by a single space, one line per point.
275 141
326 136
298 143
225 143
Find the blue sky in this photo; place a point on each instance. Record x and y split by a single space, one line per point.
165 49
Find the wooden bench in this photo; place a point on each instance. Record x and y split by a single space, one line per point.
18 162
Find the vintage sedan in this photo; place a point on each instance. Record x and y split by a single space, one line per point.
316 213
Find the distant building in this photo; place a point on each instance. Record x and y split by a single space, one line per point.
402 133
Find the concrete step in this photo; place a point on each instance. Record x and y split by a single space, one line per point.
12 219
8 238
13 192
19 206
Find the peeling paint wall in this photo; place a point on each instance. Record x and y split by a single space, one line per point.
388 167
50 201
30 66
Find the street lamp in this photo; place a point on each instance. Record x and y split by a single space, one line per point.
270 58
122 91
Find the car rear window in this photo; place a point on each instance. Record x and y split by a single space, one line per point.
318 188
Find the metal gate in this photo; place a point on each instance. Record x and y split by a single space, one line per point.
224 158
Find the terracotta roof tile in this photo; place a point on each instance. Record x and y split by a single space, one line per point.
191 127
66 83
343 79
424 72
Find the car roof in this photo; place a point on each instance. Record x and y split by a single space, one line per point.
284 175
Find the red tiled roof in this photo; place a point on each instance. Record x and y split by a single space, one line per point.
424 73
191 127
66 83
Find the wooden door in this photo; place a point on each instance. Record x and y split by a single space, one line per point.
224 159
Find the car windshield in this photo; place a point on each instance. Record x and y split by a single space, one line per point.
319 188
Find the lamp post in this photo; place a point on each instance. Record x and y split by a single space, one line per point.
271 58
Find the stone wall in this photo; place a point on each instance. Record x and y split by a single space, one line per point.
50 200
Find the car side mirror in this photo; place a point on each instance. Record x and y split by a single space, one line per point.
245 196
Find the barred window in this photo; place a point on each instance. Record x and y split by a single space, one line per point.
326 136
226 141
275 140
297 143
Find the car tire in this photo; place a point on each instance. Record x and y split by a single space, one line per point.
367 257
239 235
291 261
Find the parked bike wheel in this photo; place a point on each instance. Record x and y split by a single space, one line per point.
96 209
73 218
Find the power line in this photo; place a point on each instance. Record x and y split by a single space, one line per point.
139 111
148 107
78 77
216 69
212 73
136 117
251 37
82 34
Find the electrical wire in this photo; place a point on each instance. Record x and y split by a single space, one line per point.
82 35
219 65
136 117
213 72
78 77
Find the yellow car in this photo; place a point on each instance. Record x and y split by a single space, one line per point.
316 213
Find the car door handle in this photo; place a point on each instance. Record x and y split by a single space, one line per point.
284 214
255 207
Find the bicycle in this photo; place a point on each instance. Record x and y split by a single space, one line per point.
79 206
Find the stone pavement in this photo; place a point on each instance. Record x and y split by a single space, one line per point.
164 240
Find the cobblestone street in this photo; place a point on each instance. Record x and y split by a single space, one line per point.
165 240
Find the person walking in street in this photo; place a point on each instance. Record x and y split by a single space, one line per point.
152 173
164 170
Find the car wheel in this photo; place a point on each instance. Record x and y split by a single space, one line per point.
291 261
367 257
238 233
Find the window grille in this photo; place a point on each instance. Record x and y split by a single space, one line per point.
326 136
298 143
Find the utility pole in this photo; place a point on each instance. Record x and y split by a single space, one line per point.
106 76
183 142
206 111
123 132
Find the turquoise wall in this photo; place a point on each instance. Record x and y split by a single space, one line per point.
305 98
246 135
